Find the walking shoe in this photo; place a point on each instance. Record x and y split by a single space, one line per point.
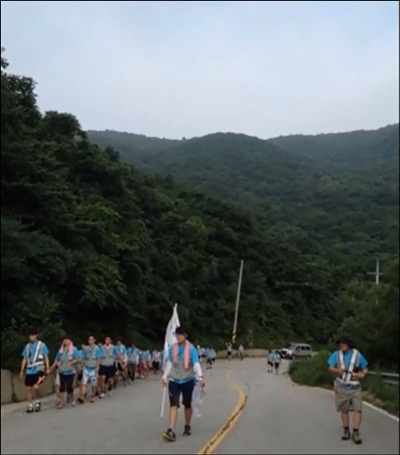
169 435
346 435
356 437
38 406
187 431
30 409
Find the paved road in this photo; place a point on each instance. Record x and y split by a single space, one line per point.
278 418
282 418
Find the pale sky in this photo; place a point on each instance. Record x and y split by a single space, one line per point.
174 69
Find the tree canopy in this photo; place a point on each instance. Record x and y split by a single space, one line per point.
91 245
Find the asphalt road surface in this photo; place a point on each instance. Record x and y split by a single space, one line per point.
278 417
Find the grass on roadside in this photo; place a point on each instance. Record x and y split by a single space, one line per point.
314 372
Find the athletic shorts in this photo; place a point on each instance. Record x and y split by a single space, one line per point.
156 365
210 361
120 367
348 399
107 371
176 389
79 375
270 364
277 364
32 379
89 376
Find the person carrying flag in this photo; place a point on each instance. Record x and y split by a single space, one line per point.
180 373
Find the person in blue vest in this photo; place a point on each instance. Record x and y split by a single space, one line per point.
350 367
277 361
35 359
270 361
132 362
179 376
122 361
66 359
90 363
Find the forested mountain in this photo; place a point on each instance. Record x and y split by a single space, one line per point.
92 245
339 190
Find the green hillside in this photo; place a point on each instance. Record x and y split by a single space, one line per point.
340 190
94 246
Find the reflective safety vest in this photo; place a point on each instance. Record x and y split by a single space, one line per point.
347 379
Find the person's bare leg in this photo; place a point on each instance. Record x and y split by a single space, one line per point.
173 417
37 392
345 419
29 394
188 416
356 420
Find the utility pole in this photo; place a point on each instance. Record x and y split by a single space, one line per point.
377 273
237 302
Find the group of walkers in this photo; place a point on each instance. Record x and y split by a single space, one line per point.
102 365
273 361
99 366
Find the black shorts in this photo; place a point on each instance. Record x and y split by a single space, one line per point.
210 361
270 364
175 390
66 383
107 371
229 353
120 367
156 365
277 364
79 376
33 379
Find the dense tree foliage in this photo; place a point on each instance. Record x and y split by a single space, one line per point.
338 190
92 245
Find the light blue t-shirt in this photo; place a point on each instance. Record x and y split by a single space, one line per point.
133 353
146 355
121 352
85 357
66 357
360 363
270 356
29 354
276 357
193 358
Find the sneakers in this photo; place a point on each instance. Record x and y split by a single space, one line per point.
187 431
30 409
346 435
169 435
356 437
38 406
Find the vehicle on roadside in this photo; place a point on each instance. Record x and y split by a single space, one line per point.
296 351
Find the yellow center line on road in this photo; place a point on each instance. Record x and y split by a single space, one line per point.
214 442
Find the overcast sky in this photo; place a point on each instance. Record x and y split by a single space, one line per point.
175 69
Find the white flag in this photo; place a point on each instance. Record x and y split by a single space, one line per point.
170 338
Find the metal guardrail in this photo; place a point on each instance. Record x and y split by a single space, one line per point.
388 378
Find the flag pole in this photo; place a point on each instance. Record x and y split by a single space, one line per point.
170 339
237 301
